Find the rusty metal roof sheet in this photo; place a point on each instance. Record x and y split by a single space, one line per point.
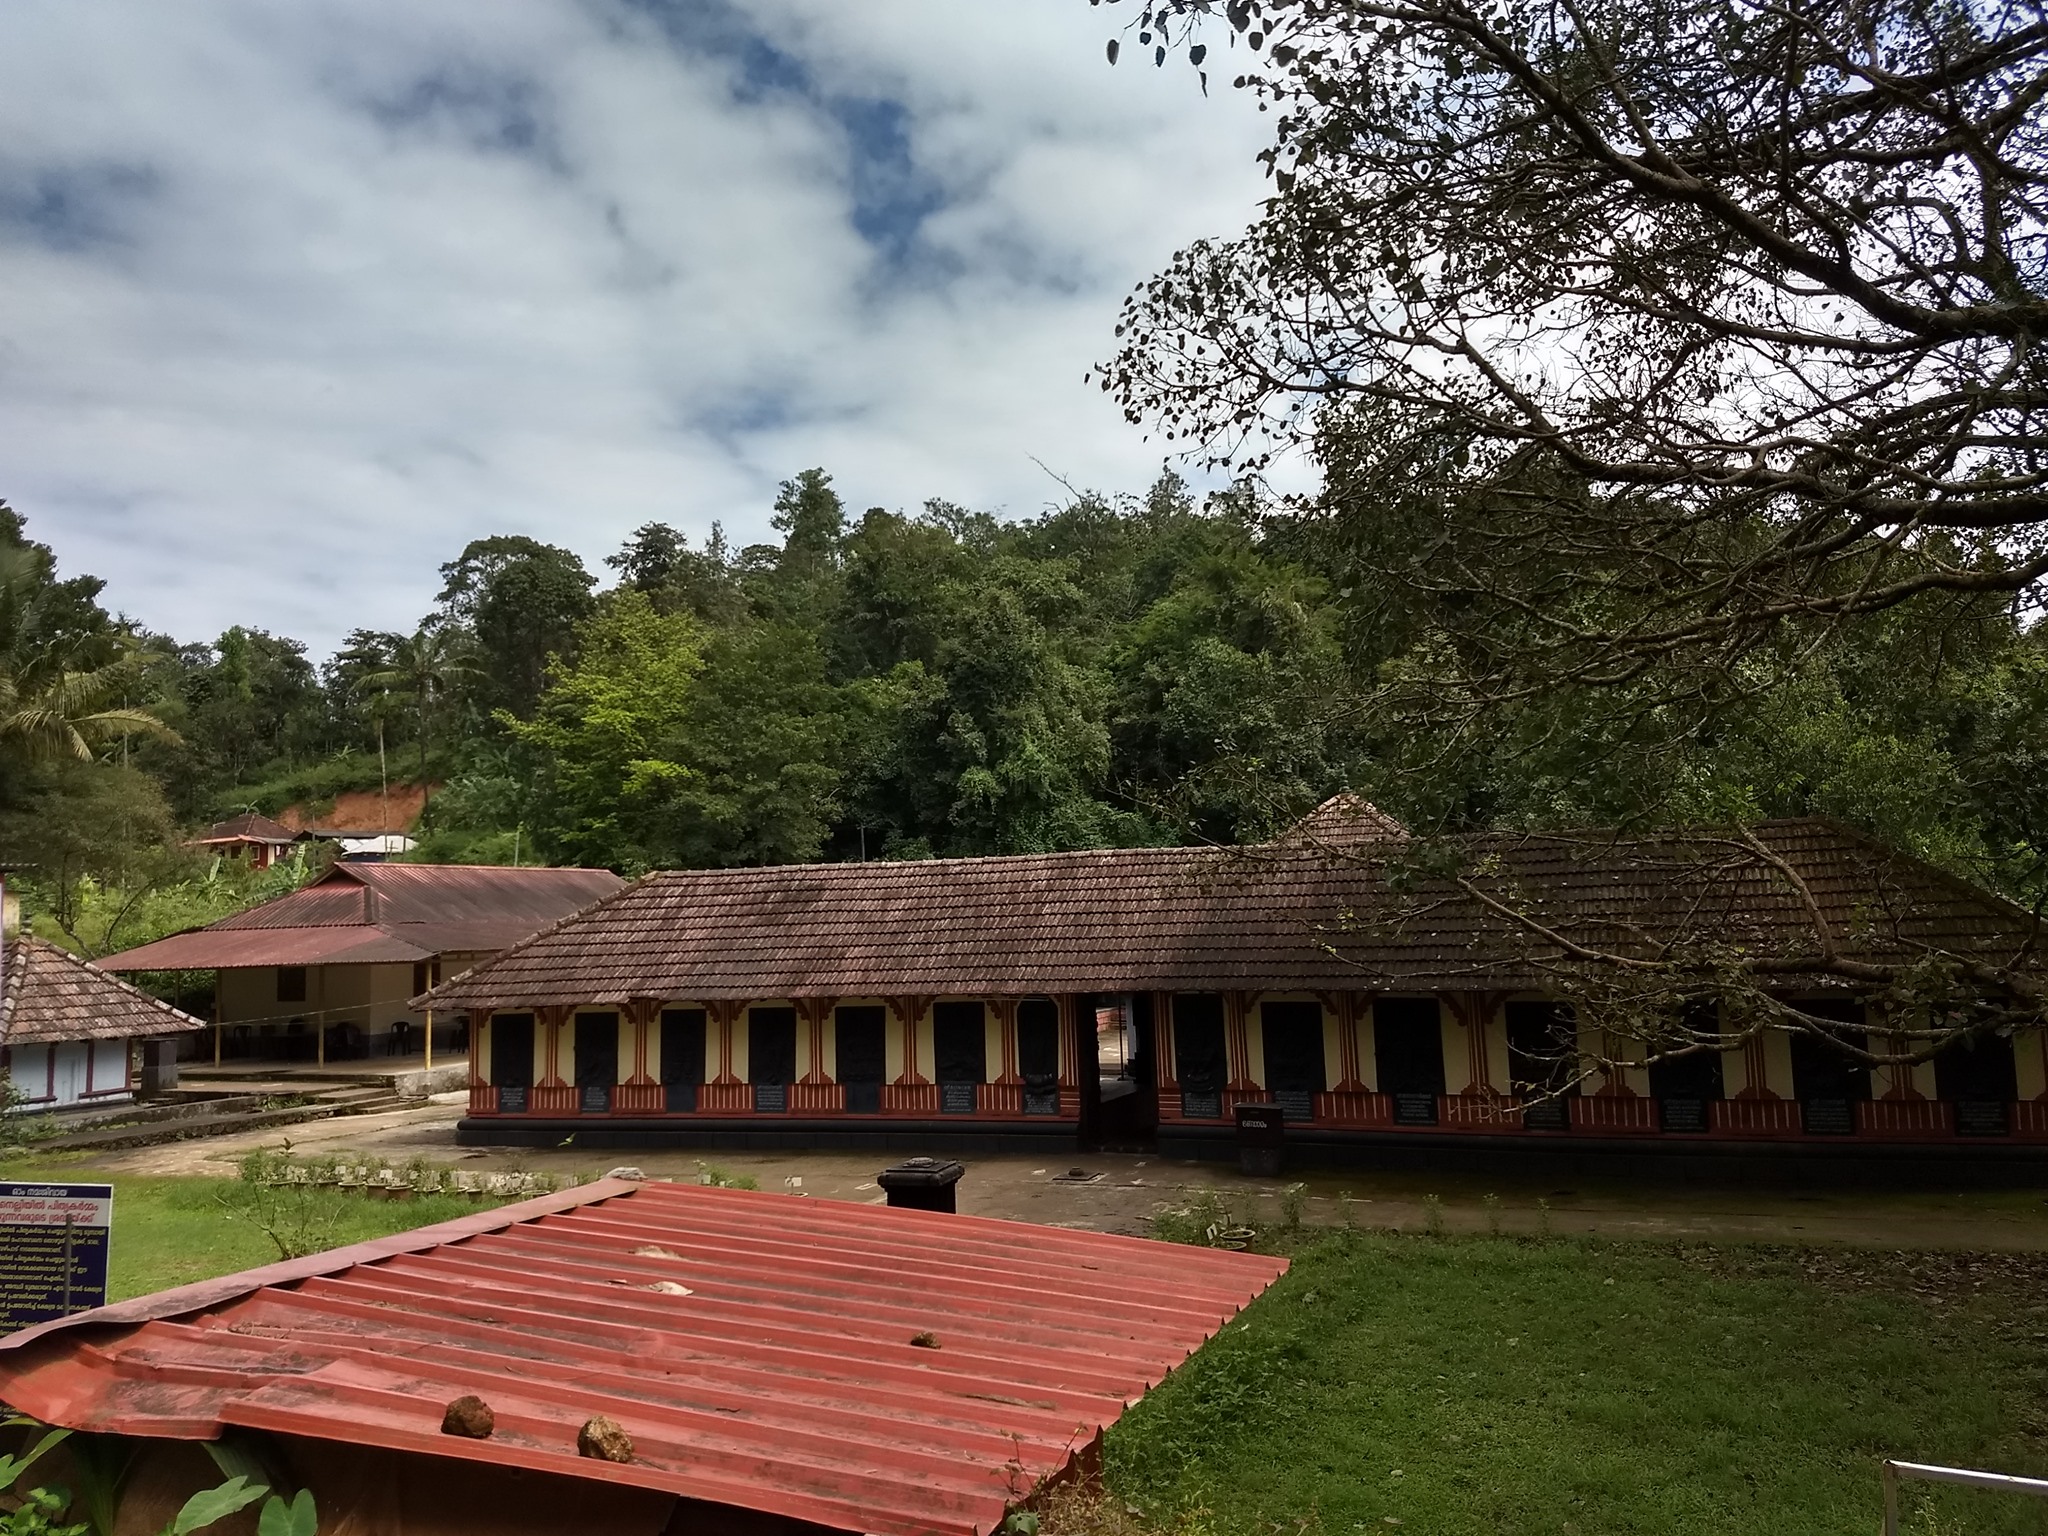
249 827
211 949
1384 912
757 1348
379 913
47 994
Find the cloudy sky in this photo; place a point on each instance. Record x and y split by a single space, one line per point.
296 300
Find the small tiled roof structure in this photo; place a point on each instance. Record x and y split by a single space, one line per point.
1388 913
48 994
1345 822
249 827
364 913
856 1367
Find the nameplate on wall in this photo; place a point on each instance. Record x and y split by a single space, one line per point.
956 1098
1685 1116
1828 1117
771 1098
1547 1115
1414 1109
1201 1106
1982 1117
512 1101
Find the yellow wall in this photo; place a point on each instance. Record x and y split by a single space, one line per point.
371 997
2030 1056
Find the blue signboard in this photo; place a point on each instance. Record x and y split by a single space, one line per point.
53 1251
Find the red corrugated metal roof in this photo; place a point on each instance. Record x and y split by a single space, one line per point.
379 913
781 1377
215 949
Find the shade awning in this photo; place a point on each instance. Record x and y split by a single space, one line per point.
226 949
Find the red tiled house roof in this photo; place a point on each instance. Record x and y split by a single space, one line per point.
1390 912
359 913
49 994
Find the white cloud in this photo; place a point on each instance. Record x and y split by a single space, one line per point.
294 301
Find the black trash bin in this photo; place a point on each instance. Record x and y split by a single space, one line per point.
1261 1139
921 1183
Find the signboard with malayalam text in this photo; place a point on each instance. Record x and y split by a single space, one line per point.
53 1251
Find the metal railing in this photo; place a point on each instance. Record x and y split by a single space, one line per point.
1896 1472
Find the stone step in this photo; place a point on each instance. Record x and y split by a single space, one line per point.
157 1132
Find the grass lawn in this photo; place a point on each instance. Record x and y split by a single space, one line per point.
1454 1385
172 1231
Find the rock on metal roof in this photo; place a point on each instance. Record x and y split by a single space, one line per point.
756 1348
382 913
49 994
1389 912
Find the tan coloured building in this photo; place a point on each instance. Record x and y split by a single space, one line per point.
328 970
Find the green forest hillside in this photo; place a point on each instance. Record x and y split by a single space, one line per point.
1123 670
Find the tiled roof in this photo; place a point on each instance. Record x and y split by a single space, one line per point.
384 913
856 1367
1387 913
1343 822
50 994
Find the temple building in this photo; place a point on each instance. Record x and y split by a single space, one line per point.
1387 992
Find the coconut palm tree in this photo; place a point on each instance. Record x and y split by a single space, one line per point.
426 665
62 700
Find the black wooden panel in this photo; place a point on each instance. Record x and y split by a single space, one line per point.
960 1042
1543 1049
863 1098
680 1098
1199 1059
1038 1051
682 1050
512 1053
771 1045
1408 1046
596 1046
1822 1068
1293 1034
1696 1077
1977 1068
860 1050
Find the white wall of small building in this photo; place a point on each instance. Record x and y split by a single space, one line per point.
71 1072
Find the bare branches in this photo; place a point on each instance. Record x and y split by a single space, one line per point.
1675 324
